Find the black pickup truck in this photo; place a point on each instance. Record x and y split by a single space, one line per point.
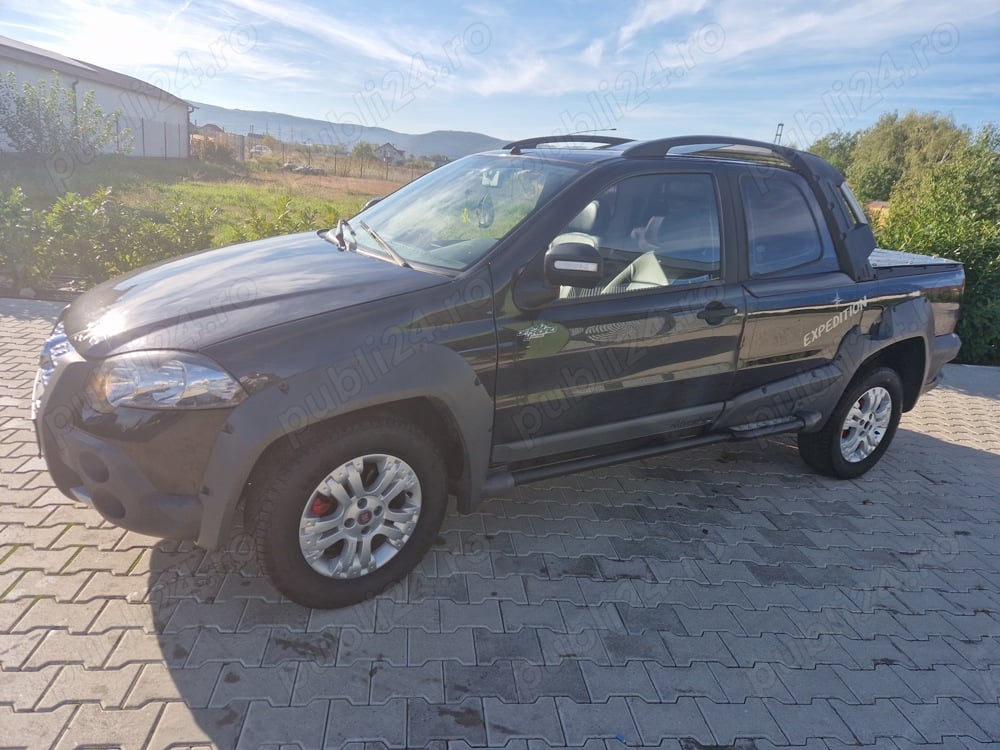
550 307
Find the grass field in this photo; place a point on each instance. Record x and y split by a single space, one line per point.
234 193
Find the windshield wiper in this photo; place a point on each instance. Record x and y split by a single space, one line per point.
399 259
338 237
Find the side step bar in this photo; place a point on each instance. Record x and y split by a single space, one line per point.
504 481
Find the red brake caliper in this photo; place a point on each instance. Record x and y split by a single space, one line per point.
320 505
844 432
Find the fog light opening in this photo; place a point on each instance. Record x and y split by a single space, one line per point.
108 505
94 467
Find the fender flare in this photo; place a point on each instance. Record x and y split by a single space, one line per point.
285 409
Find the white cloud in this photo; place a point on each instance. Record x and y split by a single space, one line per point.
594 53
653 12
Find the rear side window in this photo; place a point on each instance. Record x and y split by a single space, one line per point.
853 206
782 232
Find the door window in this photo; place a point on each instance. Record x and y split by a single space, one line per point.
652 231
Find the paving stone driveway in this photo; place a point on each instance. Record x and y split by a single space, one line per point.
724 596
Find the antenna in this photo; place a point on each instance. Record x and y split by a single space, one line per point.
598 130
777 133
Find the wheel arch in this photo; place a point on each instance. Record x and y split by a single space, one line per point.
438 390
909 359
426 412
900 340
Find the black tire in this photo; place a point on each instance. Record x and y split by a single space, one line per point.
280 498
824 451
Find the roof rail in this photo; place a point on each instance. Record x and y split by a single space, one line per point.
809 165
605 140
727 145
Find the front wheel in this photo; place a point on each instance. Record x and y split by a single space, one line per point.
860 428
351 514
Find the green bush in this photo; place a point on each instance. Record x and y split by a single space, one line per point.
215 152
96 237
20 233
285 220
953 209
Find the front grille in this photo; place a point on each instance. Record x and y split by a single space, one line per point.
56 347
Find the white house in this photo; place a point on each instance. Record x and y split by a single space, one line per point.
158 120
389 153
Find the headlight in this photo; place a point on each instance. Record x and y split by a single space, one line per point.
162 380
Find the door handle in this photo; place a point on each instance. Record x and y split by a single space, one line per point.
715 312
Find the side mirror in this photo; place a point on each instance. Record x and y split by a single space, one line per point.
574 264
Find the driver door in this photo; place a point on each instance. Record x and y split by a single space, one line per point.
651 351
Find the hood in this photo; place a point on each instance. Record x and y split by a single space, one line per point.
197 300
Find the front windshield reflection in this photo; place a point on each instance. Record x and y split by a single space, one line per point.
453 216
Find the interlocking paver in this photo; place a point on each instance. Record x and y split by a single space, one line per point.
604 683
880 718
181 726
425 681
804 721
485 614
732 721
40 729
62 647
423 646
136 646
355 646
496 680
587 645
674 683
426 722
74 684
940 719
73 617
485 589
156 682
564 679
266 725
693 598
805 685
92 726
526 720
658 721
258 614
22 690
212 645
740 683
491 647
314 681
583 721
238 683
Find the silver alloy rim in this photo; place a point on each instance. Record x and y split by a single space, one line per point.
360 516
866 424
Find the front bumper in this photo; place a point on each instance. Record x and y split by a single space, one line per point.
140 469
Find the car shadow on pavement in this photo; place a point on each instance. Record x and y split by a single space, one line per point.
663 580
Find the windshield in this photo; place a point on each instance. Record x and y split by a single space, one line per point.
453 216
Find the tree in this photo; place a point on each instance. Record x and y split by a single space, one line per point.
46 118
363 150
952 208
896 146
837 148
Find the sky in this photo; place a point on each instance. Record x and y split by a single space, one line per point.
647 68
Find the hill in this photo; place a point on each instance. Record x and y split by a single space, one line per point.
451 143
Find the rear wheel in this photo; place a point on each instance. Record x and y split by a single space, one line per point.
860 428
351 514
